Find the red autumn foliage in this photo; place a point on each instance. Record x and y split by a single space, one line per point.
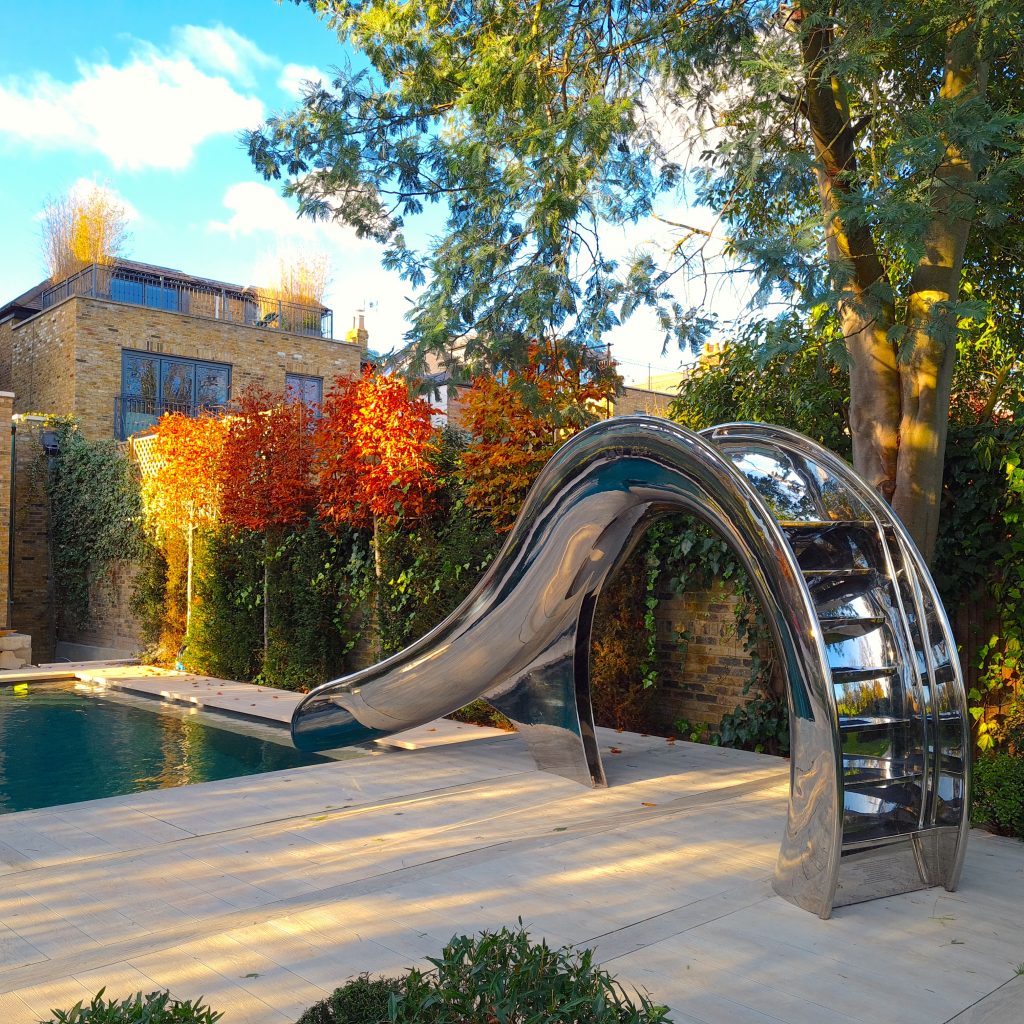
514 437
373 452
266 466
184 488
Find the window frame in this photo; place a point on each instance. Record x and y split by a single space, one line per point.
133 408
305 377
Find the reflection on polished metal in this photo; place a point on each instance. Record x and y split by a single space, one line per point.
878 724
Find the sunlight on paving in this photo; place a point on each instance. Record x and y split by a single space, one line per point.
263 893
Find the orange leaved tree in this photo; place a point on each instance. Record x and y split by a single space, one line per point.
374 445
182 493
266 471
518 419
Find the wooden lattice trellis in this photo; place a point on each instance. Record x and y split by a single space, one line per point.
144 451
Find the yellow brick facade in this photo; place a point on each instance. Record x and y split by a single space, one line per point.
67 359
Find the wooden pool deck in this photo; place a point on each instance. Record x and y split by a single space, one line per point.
263 893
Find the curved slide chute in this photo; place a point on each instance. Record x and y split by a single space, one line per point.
878 723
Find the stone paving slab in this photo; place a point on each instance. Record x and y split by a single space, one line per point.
264 703
263 893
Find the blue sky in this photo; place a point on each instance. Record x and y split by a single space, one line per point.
148 101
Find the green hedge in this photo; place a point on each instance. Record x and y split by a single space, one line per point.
998 798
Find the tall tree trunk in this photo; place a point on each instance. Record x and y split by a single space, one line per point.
866 310
930 349
899 403
377 596
190 548
266 595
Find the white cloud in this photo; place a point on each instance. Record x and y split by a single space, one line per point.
256 208
85 186
267 222
293 78
151 111
222 50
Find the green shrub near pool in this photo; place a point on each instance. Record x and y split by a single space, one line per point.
496 976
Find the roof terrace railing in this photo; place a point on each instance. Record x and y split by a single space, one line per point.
245 306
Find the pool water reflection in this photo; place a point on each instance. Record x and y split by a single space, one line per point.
60 745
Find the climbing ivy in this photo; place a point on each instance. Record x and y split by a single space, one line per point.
979 557
95 516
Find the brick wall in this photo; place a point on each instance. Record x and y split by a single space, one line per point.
68 358
112 624
42 361
703 679
32 610
6 327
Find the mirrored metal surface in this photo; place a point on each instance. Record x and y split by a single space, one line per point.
896 677
862 718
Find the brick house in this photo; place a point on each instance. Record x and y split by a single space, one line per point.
118 346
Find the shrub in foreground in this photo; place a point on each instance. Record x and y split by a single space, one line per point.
155 1008
361 1001
499 976
490 978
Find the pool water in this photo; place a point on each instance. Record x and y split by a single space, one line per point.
60 745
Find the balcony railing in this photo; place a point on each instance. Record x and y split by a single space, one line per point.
133 414
155 291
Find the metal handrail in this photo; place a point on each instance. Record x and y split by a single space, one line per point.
250 307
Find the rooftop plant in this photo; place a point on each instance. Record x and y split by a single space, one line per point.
80 228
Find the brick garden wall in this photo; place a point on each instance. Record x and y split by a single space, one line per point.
112 625
702 679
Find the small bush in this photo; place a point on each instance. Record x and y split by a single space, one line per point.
503 976
490 978
155 1008
998 798
762 725
361 1001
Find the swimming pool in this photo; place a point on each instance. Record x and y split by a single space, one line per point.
60 744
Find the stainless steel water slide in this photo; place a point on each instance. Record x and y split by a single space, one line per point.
879 729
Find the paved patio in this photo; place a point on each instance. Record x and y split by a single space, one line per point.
264 893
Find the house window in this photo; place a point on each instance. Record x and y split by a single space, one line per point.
152 385
298 387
